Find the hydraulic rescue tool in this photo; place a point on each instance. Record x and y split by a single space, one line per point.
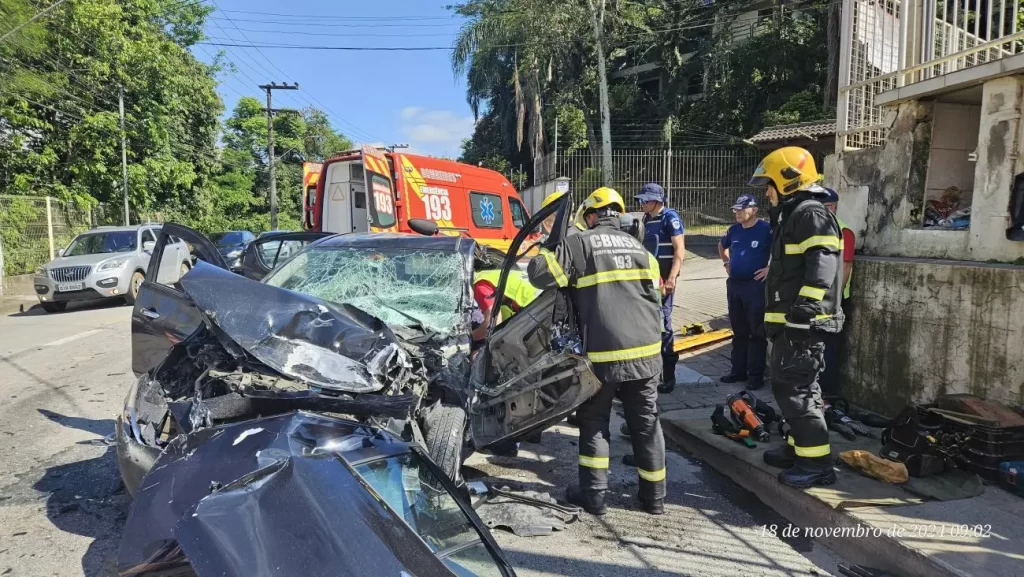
744 417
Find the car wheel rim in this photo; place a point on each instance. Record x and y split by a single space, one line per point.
136 283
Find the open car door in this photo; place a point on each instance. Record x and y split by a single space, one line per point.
163 315
532 371
265 254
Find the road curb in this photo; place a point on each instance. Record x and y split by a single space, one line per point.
14 305
803 510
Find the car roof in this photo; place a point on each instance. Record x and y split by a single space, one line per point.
120 228
400 240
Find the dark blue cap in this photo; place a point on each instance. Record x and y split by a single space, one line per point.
745 201
833 196
651 191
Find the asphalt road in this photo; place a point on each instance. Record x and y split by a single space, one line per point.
63 378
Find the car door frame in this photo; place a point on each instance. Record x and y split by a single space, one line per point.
163 315
252 250
562 207
582 370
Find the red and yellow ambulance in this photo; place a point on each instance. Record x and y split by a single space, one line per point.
370 190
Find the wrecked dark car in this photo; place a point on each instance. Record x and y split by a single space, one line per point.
373 327
302 494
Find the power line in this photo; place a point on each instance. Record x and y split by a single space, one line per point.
332 25
640 36
329 17
347 35
37 16
343 48
354 129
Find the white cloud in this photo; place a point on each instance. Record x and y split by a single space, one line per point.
437 131
410 112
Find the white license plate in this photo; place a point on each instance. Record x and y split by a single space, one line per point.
70 286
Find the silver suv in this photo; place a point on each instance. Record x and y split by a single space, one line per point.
107 262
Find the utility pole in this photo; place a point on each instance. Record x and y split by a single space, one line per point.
124 154
270 88
556 144
668 166
597 13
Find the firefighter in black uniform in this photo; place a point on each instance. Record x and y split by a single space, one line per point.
803 291
613 283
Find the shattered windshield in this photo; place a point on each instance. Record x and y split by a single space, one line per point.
415 495
401 287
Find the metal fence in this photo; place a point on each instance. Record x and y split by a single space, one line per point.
33 228
888 44
702 184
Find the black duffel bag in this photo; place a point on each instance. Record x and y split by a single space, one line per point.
906 440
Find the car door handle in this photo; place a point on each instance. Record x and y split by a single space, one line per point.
150 313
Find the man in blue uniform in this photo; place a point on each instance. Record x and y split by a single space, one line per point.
663 237
745 249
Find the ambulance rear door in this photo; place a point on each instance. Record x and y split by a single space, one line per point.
380 214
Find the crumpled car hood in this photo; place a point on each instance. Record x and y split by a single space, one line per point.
337 347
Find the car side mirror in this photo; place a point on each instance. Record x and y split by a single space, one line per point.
60 252
148 246
423 226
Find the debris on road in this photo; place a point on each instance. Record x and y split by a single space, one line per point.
525 513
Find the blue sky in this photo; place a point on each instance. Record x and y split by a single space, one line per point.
374 97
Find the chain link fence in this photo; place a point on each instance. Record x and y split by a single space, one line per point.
33 228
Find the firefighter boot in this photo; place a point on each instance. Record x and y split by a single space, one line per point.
783 457
572 421
653 506
591 501
808 473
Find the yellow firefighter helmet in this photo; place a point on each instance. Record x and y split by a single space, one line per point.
604 197
788 169
551 198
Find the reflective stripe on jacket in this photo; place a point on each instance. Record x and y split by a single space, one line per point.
518 290
802 289
613 283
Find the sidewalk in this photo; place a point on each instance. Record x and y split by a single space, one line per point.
700 292
900 532
15 304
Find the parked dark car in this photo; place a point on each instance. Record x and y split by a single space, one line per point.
376 326
302 494
271 249
231 245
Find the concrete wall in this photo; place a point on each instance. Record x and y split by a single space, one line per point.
923 328
1000 159
882 189
535 195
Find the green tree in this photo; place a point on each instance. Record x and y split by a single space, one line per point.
61 80
243 181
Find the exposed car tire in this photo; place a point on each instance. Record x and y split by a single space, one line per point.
444 427
54 307
133 287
